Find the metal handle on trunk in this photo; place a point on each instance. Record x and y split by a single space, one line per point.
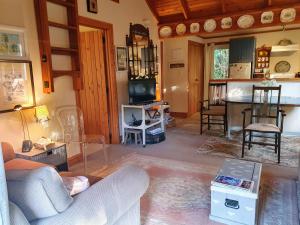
232 203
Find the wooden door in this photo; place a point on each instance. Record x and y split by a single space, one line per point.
93 96
195 76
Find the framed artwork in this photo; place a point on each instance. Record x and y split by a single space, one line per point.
12 43
92 6
16 85
121 58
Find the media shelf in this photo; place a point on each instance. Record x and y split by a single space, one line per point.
158 106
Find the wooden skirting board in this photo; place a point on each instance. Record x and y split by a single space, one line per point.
179 114
75 159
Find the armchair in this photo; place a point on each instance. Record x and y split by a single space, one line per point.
265 108
71 121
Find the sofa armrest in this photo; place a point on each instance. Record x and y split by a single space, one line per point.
104 202
8 151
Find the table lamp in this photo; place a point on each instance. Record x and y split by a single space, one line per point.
26 144
42 114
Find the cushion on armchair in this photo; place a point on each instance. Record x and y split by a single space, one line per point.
39 193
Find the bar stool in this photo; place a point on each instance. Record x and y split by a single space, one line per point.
137 136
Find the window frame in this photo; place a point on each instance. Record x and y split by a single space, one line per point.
219 46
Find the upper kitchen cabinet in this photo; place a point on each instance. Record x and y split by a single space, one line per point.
242 50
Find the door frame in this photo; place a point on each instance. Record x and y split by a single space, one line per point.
111 75
200 78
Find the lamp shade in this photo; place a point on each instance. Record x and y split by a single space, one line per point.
42 113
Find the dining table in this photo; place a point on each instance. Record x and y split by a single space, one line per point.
285 101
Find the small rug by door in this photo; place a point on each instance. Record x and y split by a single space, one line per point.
179 193
221 146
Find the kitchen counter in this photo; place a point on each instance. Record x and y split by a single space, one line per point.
239 94
256 80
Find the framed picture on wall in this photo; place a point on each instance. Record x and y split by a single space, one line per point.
16 85
92 6
12 43
121 58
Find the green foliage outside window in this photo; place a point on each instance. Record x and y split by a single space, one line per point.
221 62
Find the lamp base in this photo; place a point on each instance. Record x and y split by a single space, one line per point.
27 146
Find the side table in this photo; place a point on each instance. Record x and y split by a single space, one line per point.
55 156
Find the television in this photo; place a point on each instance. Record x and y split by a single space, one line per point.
141 91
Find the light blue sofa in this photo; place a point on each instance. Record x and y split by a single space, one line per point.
38 197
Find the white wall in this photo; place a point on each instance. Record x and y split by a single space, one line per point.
291 123
120 16
176 79
21 13
269 39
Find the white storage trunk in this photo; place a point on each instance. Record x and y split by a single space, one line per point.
234 206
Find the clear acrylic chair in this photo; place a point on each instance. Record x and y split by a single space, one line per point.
71 121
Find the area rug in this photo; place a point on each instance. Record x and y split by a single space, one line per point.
179 193
220 146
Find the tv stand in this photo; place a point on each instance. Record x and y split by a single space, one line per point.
144 108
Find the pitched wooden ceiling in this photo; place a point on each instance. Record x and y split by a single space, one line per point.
172 12
168 11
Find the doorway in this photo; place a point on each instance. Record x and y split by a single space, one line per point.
195 76
98 96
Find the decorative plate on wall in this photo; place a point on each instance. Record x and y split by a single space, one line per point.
165 31
288 15
282 67
194 28
210 25
226 23
245 21
267 17
180 29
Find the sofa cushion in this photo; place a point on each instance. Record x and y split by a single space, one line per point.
16 215
22 164
39 193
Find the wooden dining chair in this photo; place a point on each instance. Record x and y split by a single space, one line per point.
266 118
213 111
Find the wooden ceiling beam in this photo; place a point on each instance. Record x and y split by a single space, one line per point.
235 28
268 3
223 6
152 9
185 9
233 15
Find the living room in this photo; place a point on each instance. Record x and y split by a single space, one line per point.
145 112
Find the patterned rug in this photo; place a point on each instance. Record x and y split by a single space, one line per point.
220 146
179 193
216 144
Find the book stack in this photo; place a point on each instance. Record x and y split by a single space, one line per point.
233 183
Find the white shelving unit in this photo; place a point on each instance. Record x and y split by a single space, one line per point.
143 126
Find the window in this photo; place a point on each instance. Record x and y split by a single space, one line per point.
221 62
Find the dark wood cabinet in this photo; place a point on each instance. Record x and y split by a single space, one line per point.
242 50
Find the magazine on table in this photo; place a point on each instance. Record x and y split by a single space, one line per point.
232 182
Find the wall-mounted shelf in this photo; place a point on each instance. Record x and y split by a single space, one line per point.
68 3
58 73
63 51
47 51
287 48
62 26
